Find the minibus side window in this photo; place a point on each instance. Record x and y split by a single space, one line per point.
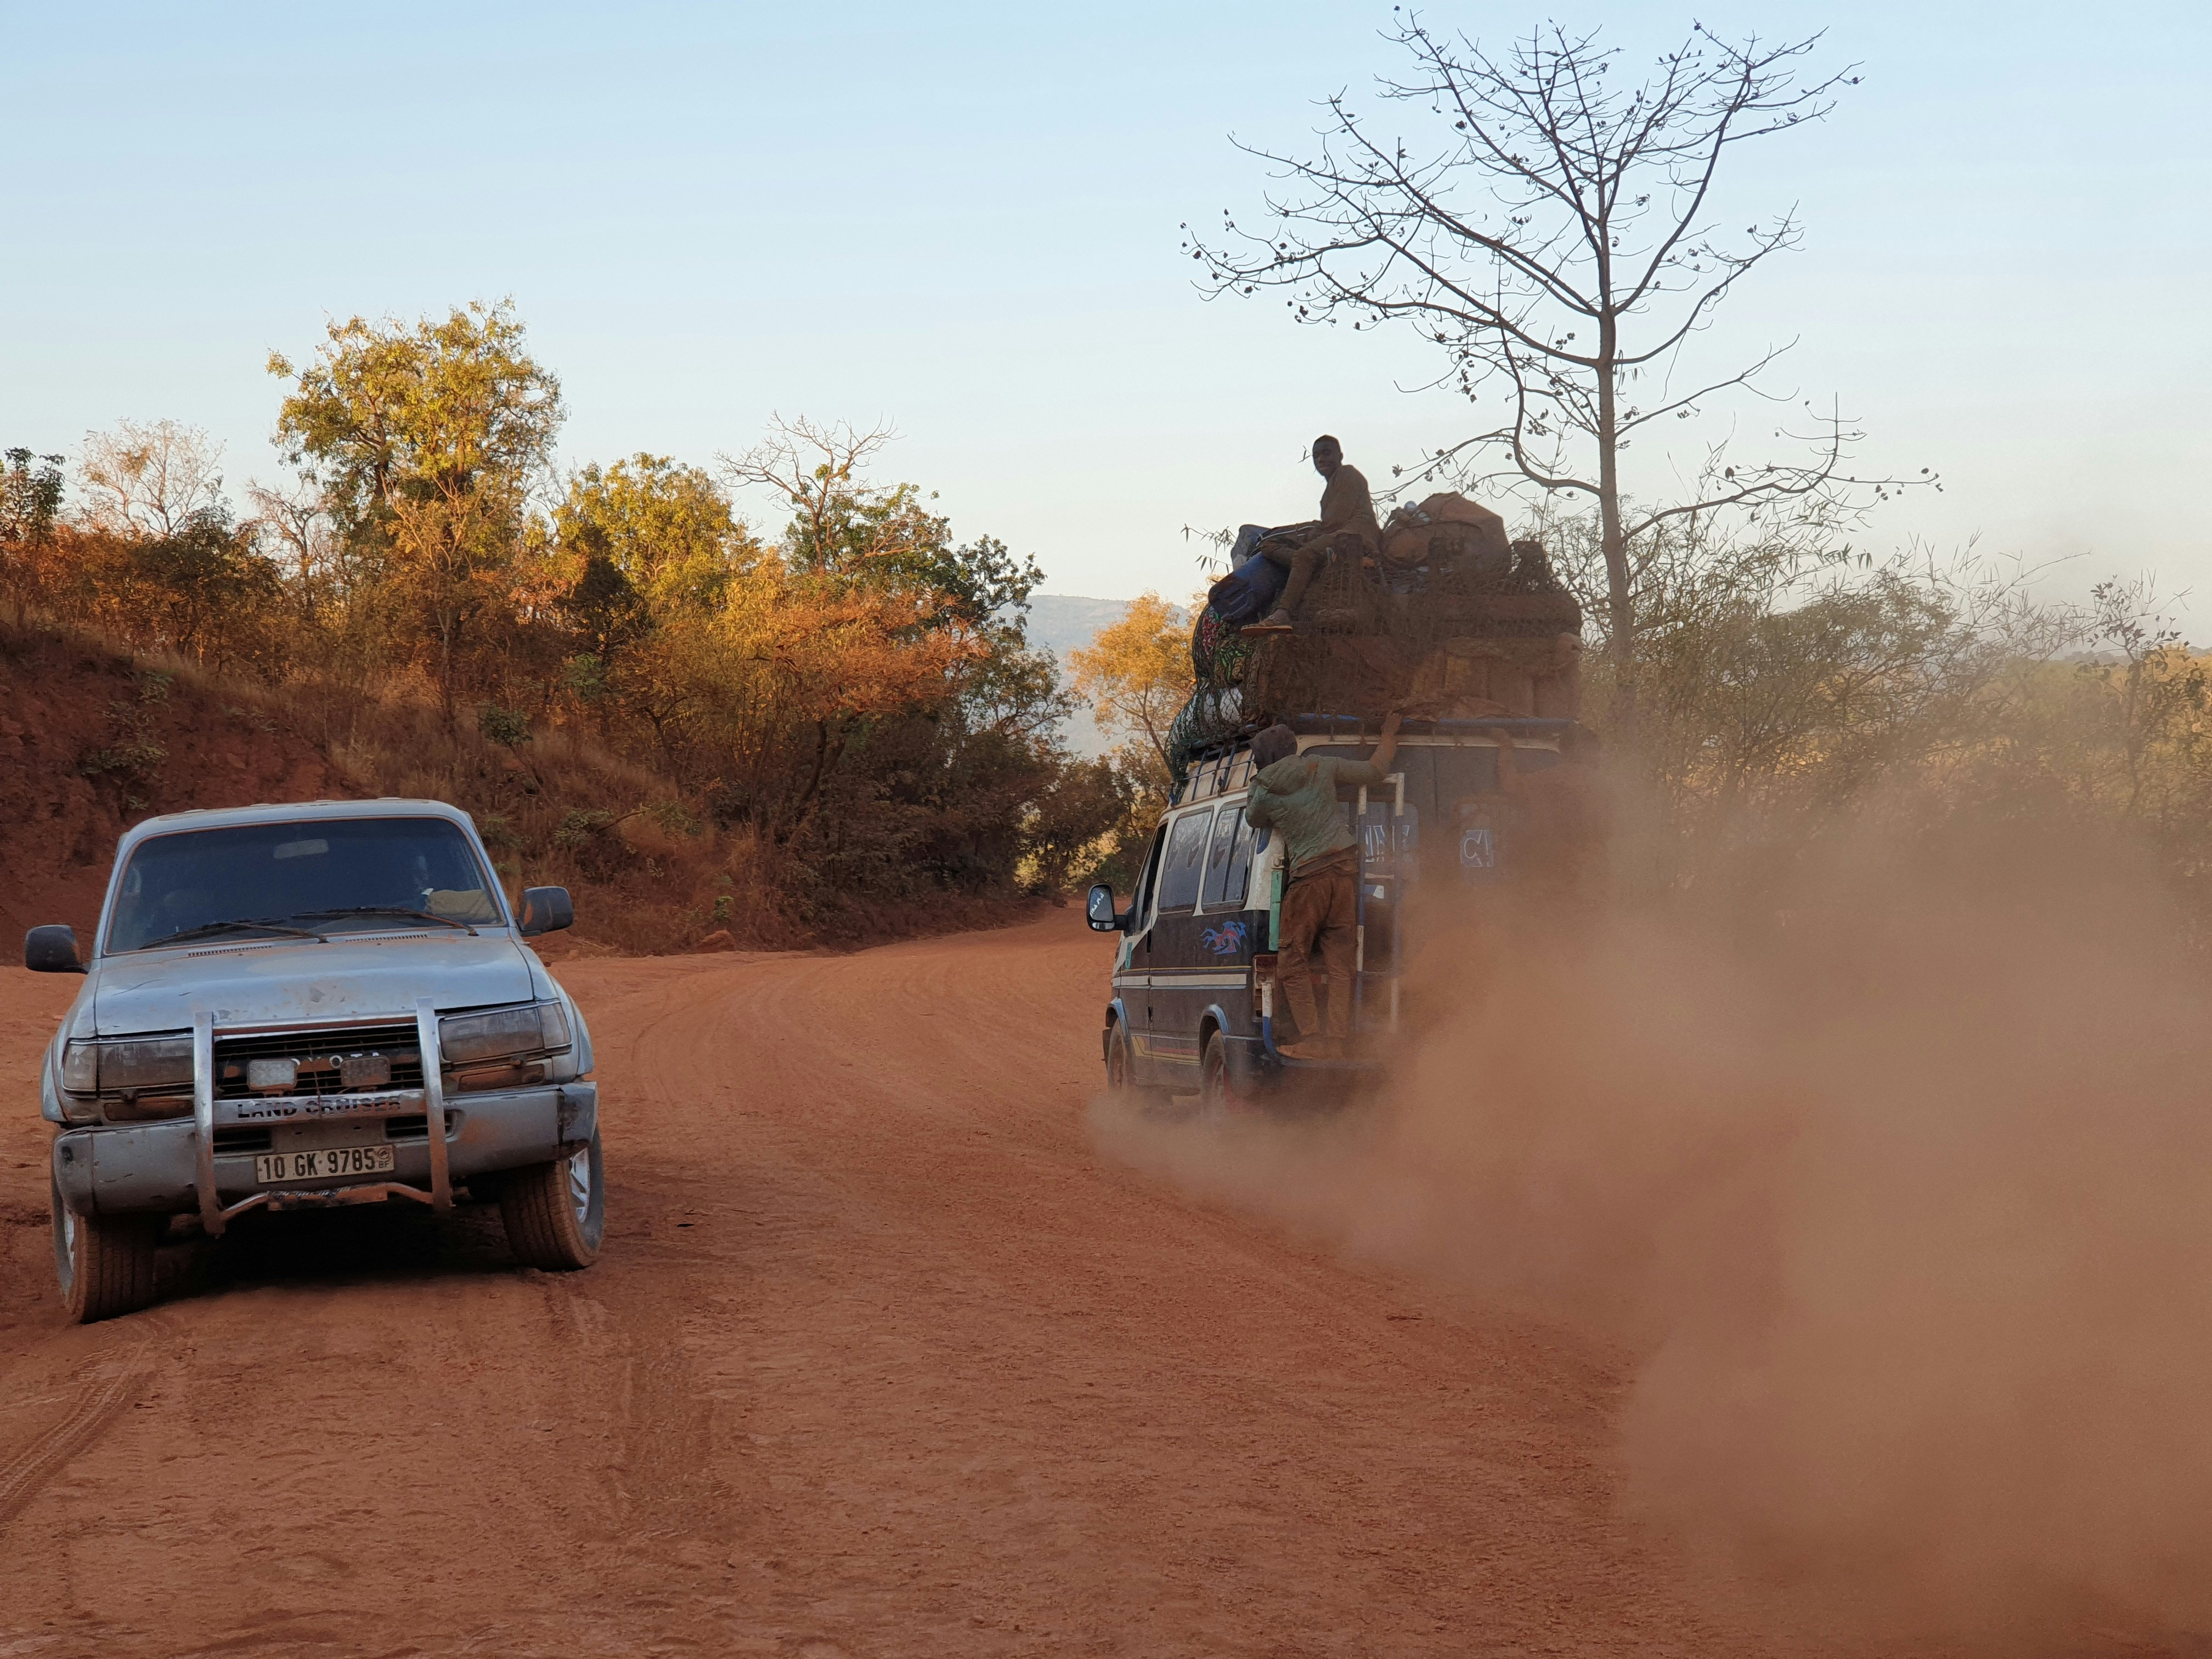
1183 864
1224 869
1240 863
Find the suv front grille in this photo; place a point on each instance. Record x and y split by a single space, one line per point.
318 1054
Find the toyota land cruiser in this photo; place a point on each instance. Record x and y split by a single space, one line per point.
314 1004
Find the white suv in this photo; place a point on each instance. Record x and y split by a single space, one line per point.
265 995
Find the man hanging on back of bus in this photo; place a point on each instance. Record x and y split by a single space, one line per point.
1295 796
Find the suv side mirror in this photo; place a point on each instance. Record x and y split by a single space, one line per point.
1099 910
546 910
51 951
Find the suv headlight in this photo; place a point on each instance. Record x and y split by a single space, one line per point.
540 1028
81 1068
137 1063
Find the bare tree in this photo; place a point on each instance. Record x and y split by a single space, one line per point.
149 479
295 527
1557 240
815 468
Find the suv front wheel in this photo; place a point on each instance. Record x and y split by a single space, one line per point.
105 1263
556 1213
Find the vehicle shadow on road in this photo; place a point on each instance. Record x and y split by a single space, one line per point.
371 1244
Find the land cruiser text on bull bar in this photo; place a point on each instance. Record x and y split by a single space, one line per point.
280 1002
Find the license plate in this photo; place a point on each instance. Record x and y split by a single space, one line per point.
324 1163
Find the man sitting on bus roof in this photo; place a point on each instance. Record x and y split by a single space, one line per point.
1295 797
1345 505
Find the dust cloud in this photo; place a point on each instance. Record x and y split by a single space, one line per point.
1897 1185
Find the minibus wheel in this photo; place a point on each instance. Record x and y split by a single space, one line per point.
1120 1073
1217 1093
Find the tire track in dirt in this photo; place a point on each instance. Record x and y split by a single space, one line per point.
668 1491
105 1389
665 1491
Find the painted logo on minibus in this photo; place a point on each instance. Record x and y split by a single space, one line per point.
1226 940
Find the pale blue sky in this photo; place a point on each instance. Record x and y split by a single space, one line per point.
964 219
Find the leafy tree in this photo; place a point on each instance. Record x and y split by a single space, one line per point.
933 785
649 550
809 670
427 440
2157 705
30 497
888 537
1071 831
609 616
1136 675
203 589
815 470
665 528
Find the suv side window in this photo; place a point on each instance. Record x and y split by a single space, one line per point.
1228 861
1182 865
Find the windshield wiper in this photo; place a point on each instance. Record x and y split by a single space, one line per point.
265 924
385 910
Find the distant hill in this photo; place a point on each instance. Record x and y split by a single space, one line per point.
1062 623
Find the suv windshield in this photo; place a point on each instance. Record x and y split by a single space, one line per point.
316 877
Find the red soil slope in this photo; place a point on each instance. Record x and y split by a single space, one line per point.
90 743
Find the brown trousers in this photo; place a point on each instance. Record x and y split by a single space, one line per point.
1301 563
1320 911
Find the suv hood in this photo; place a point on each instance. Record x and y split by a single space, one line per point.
365 977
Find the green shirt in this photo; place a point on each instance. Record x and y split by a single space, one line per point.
1297 798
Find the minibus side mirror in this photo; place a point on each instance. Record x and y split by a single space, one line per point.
1100 911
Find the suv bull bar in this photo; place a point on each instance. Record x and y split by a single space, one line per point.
209 1112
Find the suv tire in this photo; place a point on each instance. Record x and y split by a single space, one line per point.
556 1213
105 1263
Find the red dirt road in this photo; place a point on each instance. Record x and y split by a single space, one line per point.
882 1358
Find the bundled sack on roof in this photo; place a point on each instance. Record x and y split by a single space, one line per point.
1447 528
1248 592
1253 584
